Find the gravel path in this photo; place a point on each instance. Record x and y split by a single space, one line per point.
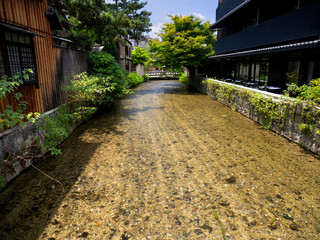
168 164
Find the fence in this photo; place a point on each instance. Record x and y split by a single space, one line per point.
162 74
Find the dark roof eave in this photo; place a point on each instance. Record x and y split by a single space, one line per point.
20 29
128 41
62 39
216 24
280 48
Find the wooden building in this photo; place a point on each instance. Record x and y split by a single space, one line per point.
125 52
26 43
123 56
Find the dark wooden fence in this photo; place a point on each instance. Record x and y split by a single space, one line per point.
67 63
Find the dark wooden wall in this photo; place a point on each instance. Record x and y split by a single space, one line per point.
53 63
67 63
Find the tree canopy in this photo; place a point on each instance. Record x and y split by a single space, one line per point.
139 56
138 19
185 41
95 21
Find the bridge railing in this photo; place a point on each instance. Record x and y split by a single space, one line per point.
158 73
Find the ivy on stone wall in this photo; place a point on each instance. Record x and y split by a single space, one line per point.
270 111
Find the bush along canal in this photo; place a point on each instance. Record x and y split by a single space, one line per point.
168 164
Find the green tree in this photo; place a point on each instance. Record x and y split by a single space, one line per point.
103 64
95 21
186 41
139 56
138 20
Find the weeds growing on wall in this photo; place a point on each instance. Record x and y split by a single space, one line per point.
56 128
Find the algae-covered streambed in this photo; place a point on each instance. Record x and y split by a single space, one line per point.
168 164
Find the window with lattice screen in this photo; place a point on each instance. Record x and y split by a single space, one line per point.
17 54
2 70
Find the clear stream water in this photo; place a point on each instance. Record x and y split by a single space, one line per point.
168 164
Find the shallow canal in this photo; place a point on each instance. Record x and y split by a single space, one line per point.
168 164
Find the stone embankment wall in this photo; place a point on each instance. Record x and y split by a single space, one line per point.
19 147
15 141
289 117
19 142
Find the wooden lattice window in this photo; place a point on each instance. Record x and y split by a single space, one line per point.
2 70
127 51
17 54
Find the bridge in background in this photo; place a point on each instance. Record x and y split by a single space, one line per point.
157 74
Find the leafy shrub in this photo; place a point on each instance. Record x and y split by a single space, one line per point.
146 77
293 90
88 92
310 93
14 114
134 80
103 64
85 95
183 78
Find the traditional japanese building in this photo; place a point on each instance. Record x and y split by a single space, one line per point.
125 54
261 42
26 42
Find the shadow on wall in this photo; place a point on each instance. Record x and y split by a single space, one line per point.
69 63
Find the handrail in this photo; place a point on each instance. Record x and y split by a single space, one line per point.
161 73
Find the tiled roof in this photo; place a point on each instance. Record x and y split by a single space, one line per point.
279 48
